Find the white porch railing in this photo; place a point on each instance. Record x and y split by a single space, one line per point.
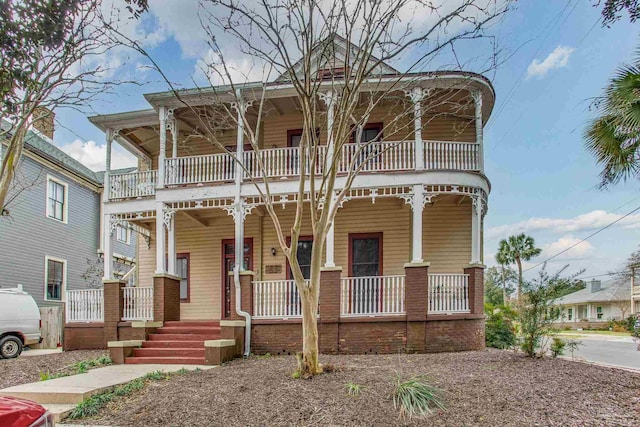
200 169
448 293
372 295
378 156
138 304
452 155
276 299
86 305
277 162
132 185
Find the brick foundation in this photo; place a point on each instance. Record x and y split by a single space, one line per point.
246 290
84 336
113 308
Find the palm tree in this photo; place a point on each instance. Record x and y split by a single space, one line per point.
503 259
614 137
517 249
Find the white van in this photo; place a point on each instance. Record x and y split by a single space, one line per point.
19 321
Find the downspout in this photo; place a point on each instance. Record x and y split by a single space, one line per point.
239 223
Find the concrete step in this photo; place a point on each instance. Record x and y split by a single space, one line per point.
164 360
214 323
173 344
59 411
168 352
184 337
194 330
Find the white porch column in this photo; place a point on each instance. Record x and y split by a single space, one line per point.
329 247
106 187
416 95
172 124
476 229
477 97
170 220
329 98
163 146
416 230
107 248
160 240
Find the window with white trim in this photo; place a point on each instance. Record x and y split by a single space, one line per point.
122 234
599 313
56 199
570 314
55 277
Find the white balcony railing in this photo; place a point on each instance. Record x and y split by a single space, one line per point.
385 156
377 157
372 295
86 305
448 293
276 299
463 156
200 169
138 304
132 185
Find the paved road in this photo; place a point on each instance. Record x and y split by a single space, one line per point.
619 352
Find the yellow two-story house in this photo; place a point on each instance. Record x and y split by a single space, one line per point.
403 263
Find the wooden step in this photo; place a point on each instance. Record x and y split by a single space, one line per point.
183 337
168 352
164 360
195 330
173 344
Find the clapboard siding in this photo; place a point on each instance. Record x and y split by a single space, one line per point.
447 244
447 234
448 128
28 236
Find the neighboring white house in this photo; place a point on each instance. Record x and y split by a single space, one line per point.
597 302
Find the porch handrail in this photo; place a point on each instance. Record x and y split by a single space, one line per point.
200 169
276 299
132 184
379 156
448 293
84 305
138 303
450 155
372 295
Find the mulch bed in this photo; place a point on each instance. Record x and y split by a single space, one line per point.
26 369
489 388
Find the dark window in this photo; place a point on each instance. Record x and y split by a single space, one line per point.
370 132
365 254
305 245
182 271
56 200
55 277
294 137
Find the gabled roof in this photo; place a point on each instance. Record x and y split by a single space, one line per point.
338 48
612 290
43 146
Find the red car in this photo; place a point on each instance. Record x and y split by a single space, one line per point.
16 412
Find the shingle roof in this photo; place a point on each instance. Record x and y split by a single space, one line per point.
612 290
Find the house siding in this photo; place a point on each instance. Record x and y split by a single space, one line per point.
28 235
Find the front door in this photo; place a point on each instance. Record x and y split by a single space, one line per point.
228 261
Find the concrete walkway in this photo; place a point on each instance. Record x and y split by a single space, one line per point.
60 395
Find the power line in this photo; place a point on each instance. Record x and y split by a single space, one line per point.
583 240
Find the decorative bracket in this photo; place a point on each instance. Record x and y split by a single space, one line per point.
241 106
167 217
112 134
245 209
329 97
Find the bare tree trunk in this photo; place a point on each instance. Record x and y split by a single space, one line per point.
504 287
10 163
308 360
519 262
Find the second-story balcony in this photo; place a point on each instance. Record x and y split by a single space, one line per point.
281 163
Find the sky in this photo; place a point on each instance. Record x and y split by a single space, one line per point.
556 58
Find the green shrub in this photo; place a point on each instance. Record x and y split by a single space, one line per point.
416 397
557 347
353 389
499 328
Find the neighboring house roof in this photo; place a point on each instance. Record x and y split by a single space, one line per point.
43 146
612 290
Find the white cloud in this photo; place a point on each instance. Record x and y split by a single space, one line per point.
557 59
93 155
588 221
582 250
